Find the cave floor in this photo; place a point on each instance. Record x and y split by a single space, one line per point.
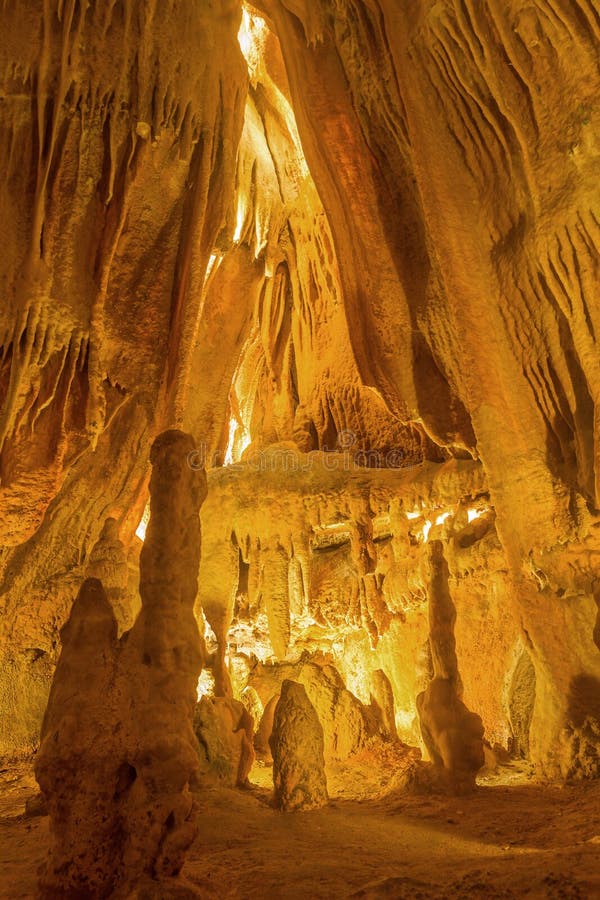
512 838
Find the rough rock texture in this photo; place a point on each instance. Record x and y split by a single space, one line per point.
117 162
108 563
468 256
357 542
253 705
225 732
346 723
452 734
118 751
382 698
265 730
297 748
363 228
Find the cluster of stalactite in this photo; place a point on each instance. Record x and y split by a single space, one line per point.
120 125
334 559
314 554
477 264
125 748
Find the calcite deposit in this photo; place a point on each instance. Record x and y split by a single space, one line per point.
297 747
351 249
225 732
452 734
118 752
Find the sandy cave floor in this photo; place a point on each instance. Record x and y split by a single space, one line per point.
512 838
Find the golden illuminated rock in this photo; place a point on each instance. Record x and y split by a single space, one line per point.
452 734
297 748
353 249
108 563
382 696
118 751
117 155
225 733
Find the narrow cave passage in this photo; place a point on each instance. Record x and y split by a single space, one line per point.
299 470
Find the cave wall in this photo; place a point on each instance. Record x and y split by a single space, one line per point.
318 558
275 294
119 125
469 250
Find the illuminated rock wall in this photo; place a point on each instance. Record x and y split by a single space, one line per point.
360 226
464 217
349 584
119 125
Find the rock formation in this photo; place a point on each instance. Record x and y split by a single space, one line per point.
466 257
265 730
452 734
116 181
297 747
382 697
118 752
352 247
108 563
225 732
346 723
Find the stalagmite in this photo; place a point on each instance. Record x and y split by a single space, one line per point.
342 256
275 565
297 747
118 751
452 734
345 721
382 696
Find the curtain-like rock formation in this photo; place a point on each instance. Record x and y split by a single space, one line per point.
464 218
358 621
118 752
357 236
119 127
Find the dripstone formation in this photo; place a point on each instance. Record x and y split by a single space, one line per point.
351 248
118 753
452 734
297 748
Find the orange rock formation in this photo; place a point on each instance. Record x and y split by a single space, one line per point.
351 247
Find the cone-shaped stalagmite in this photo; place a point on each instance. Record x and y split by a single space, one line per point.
118 749
452 734
298 754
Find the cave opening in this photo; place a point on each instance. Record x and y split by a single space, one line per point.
299 464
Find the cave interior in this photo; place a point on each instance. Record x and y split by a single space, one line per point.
299 449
